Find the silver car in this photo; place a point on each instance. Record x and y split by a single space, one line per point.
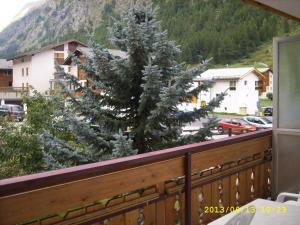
259 122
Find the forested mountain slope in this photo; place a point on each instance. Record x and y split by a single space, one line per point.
227 30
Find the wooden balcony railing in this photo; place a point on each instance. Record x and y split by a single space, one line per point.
168 187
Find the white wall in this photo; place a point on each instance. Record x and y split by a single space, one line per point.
18 79
43 69
243 96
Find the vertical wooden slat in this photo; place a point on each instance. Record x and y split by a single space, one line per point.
195 205
188 189
261 181
226 191
170 211
243 187
233 190
207 202
215 199
182 212
248 197
117 220
150 214
161 206
131 217
257 182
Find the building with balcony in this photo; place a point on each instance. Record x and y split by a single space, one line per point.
35 70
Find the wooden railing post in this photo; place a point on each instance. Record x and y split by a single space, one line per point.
188 189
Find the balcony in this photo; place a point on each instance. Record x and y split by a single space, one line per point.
171 186
12 93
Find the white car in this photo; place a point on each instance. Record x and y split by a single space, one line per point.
259 122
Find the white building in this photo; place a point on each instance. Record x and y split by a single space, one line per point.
242 85
36 69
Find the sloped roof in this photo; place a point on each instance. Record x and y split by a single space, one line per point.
287 8
51 46
229 73
88 52
115 52
6 65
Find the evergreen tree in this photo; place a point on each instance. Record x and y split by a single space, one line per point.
137 96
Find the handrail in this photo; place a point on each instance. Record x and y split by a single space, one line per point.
30 182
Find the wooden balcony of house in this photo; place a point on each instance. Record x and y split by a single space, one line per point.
13 93
168 187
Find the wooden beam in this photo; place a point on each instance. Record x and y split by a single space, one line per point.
270 9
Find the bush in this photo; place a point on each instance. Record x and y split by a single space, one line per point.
270 96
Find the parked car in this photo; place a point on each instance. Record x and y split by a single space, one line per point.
14 111
259 122
237 126
268 111
181 113
3 112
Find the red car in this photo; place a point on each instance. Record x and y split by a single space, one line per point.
237 126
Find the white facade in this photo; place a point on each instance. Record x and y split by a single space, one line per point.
242 100
36 70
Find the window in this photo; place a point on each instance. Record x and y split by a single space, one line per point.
258 85
27 85
23 86
69 69
22 72
10 83
245 83
27 73
232 85
58 55
59 58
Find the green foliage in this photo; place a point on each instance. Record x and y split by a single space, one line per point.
39 111
225 30
20 151
270 96
265 102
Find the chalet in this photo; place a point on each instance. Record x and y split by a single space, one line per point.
36 69
83 53
243 86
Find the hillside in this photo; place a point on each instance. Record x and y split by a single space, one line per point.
226 30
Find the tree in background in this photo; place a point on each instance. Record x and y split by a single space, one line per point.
130 104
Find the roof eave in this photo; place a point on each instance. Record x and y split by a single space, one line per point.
271 9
